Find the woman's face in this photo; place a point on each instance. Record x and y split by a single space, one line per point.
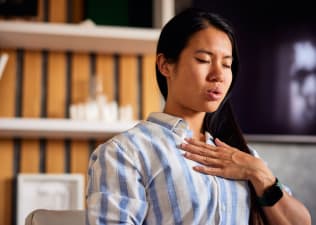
200 79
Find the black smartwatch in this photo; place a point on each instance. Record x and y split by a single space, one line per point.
272 195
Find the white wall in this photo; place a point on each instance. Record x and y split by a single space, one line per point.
295 166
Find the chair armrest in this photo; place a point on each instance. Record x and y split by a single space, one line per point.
55 217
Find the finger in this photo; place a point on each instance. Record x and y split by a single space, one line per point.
192 148
223 146
218 142
214 171
205 160
202 151
200 143
209 152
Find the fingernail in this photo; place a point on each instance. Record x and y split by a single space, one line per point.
186 154
198 168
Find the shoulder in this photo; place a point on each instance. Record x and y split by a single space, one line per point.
129 139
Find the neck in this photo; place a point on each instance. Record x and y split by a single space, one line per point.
194 120
195 123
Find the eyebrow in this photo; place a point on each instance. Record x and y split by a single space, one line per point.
210 53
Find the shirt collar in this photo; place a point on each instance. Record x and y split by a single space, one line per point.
173 123
177 125
209 138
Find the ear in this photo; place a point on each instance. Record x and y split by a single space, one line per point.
163 65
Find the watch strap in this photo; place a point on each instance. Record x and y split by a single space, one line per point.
272 195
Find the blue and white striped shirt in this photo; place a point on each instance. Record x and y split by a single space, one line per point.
141 177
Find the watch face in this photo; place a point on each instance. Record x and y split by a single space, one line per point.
275 193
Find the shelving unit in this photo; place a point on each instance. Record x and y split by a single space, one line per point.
60 128
83 37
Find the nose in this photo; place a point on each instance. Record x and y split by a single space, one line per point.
216 73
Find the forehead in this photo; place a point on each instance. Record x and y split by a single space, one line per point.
211 39
304 55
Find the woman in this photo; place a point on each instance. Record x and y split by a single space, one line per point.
190 163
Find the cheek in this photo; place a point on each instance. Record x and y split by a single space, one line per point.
187 76
228 81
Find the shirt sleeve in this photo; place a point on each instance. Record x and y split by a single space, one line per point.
115 192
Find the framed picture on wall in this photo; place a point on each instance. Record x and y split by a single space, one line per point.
275 94
18 7
48 191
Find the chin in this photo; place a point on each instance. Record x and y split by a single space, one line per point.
209 109
212 108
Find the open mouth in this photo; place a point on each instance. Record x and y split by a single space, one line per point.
214 94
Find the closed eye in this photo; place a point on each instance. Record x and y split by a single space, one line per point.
227 66
202 60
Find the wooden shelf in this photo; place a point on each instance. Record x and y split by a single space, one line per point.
60 128
79 37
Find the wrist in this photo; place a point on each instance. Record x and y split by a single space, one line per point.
261 180
271 195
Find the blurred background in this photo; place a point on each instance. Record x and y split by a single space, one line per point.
71 59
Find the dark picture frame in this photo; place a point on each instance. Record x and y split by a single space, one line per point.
263 95
18 7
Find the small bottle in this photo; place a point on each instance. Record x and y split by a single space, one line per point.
101 100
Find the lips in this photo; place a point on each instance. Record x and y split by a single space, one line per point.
214 94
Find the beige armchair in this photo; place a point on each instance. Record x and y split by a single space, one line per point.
56 217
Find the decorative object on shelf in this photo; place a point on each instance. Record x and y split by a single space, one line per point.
3 61
49 191
94 110
97 108
95 118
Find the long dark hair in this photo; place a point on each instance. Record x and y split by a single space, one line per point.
221 123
